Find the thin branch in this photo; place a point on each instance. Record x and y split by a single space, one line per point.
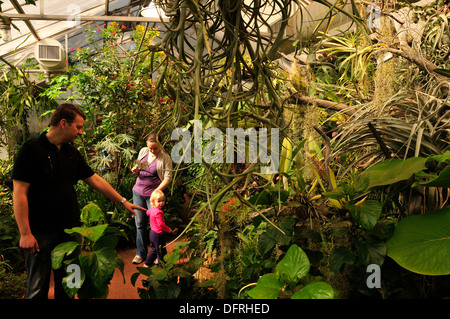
322 103
411 55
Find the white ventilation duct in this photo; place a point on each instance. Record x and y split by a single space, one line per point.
50 54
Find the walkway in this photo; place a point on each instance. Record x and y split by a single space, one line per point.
120 290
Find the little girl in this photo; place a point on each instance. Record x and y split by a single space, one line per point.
158 228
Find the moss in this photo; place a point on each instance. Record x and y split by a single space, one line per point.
385 78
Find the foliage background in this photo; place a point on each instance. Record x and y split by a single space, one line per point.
341 110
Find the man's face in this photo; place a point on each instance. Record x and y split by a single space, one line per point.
74 129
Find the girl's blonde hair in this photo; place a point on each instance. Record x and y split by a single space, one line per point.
156 195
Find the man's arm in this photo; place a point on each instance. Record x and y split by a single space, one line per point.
104 188
20 204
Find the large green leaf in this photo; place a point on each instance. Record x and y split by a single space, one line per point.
286 225
106 240
62 250
265 244
371 251
173 257
421 243
366 213
442 180
92 233
99 265
293 266
340 256
91 213
159 273
91 290
440 158
315 290
268 287
393 170
169 290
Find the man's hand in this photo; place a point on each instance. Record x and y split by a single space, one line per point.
131 207
29 243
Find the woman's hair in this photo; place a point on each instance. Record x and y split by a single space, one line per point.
152 137
156 195
67 111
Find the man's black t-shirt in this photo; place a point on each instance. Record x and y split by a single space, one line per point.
52 174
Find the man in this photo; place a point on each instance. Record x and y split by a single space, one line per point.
45 202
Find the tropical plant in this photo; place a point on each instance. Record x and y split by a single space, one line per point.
232 85
112 153
435 32
172 280
395 179
95 255
420 243
118 89
411 123
353 58
9 233
291 280
224 75
19 99
124 80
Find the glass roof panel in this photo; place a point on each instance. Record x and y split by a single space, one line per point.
65 21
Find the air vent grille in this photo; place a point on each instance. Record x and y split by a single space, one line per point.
49 53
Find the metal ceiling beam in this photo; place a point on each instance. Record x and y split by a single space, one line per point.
19 9
27 17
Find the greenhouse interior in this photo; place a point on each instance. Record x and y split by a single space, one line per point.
225 150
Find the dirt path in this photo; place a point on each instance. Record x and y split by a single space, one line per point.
118 289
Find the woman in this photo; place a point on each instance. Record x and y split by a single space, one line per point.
154 170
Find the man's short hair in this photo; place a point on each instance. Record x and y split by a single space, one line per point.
67 111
